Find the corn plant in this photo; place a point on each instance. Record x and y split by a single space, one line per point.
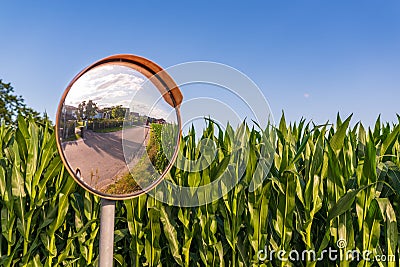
36 215
332 186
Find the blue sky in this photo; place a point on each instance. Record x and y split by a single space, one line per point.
310 58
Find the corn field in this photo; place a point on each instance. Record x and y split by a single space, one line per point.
329 187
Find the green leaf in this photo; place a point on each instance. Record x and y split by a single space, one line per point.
338 138
345 203
390 140
171 234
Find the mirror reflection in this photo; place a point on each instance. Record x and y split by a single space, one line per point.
110 128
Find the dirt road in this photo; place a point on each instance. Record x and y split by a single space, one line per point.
100 156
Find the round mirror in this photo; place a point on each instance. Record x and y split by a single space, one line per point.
118 126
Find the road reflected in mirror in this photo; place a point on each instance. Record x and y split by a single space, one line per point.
110 128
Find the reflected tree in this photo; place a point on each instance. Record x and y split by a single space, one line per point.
80 111
91 109
86 111
118 112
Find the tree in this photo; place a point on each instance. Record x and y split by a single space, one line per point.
91 109
12 104
118 112
86 111
80 111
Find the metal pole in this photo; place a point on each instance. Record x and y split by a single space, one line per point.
107 214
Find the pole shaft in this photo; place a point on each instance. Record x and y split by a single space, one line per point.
107 214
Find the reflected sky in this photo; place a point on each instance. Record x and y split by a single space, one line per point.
113 85
108 85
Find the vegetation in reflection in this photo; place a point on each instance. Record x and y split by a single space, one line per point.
143 173
93 142
88 116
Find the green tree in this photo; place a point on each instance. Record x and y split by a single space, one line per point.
118 112
91 109
12 104
80 111
87 110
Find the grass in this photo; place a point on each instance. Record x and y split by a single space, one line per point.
128 183
108 130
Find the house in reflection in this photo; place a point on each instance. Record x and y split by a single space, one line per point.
154 120
69 112
160 121
134 114
102 114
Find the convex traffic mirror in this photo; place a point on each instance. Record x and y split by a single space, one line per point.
118 126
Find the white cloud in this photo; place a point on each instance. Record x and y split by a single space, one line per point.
118 85
106 85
